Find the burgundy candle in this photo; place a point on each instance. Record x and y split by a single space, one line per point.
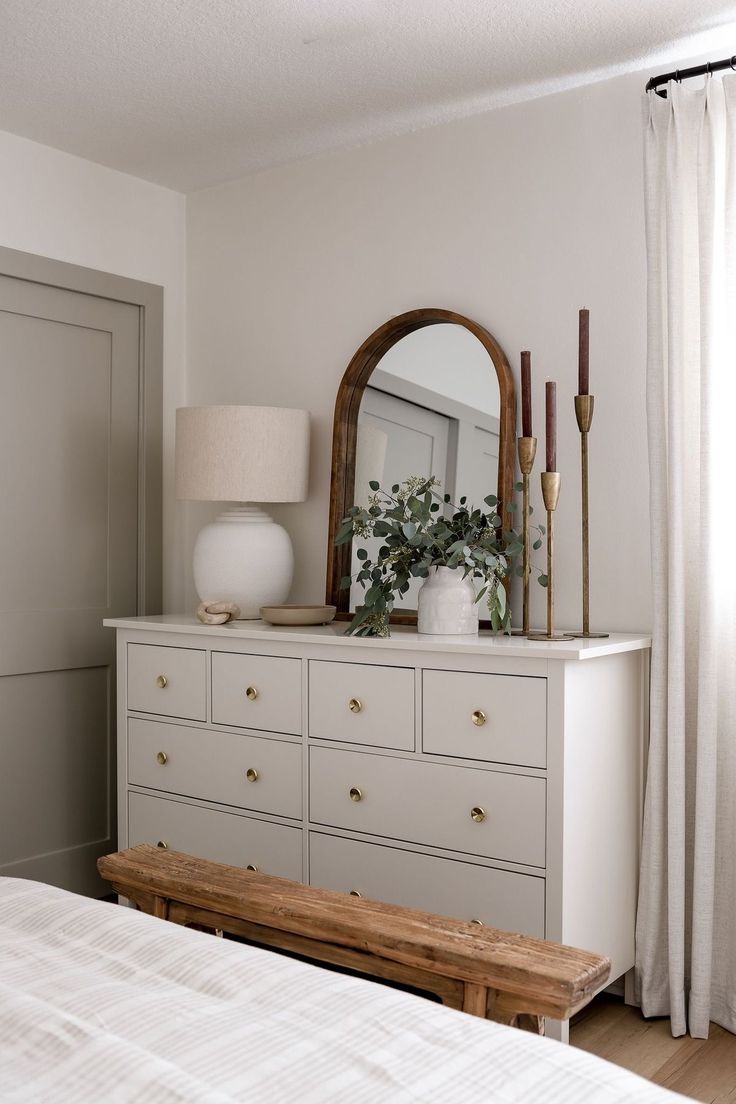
551 395
583 351
526 394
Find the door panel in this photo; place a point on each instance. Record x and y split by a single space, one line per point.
69 447
417 443
56 762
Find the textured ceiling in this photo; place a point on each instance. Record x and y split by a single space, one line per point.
192 92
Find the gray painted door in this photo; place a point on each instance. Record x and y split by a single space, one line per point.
69 472
417 444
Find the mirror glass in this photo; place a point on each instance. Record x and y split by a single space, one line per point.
431 407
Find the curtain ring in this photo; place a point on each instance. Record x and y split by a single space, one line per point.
733 59
708 70
677 76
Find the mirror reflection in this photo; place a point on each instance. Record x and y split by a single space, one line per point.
431 408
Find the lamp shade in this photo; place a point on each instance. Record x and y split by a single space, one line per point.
242 453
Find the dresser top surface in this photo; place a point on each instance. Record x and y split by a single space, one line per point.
406 639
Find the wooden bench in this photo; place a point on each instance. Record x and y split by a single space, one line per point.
508 978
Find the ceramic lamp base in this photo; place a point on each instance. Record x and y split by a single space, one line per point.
246 558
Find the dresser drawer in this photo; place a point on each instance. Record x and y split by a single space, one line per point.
215 766
362 703
431 804
499 718
170 681
253 691
498 898
221 837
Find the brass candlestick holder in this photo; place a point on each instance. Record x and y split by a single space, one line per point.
527 449
584 414
550 494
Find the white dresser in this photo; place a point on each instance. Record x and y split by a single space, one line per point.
493 779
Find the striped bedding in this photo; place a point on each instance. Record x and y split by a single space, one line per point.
100 1003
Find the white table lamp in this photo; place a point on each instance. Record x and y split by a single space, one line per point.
242 454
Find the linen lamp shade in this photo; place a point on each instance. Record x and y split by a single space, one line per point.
242 454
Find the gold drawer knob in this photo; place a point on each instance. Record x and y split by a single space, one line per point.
479 718
356 794
355 893
163 845
251 693
355 705
162 682
162 758
250 866
478 814
251 774
478 922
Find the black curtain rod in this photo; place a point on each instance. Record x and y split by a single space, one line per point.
695 71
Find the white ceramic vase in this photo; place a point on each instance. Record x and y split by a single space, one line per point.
446 604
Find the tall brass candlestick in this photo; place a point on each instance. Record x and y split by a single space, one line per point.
527 447
584 414
550 494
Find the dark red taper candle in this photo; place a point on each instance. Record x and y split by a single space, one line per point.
551 411
526 394
584 351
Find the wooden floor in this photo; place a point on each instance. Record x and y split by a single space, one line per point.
704 1069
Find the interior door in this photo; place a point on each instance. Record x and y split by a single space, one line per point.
417 443
69 545
476 463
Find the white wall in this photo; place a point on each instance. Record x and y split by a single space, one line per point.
64 207
516 218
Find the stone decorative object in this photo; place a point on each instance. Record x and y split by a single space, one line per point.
217 613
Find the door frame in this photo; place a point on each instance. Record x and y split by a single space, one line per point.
149 300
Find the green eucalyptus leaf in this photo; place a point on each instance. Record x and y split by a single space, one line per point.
344 533
501 599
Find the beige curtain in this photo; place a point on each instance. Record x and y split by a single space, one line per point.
686 928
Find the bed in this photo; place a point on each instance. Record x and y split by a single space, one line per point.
99 1002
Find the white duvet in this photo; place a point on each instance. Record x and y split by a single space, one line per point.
102 1004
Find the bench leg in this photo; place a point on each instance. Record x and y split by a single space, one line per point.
475 999
161 907
499 1012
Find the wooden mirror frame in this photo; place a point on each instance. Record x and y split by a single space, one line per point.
345 432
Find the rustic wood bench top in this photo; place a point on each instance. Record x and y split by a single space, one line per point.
482 970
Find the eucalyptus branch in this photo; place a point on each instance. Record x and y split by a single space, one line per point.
421 529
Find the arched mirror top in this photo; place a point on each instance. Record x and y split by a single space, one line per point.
420 397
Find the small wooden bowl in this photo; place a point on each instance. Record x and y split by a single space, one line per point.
298 615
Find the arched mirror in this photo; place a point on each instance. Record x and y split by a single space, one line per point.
429 393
